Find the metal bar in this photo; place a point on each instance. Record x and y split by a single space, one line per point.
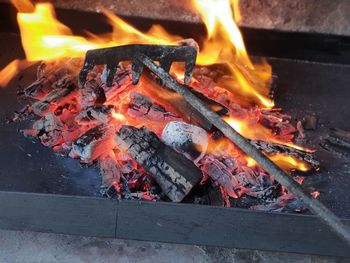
169 222
283 178
227 227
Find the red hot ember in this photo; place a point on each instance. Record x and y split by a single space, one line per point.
160 155
93 123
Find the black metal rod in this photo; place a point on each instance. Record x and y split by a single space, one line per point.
283 178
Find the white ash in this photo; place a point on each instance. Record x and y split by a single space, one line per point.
188 139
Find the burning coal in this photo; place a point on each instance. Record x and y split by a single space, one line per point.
148 142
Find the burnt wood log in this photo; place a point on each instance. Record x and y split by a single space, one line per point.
175 174
98 114
183 108
275 148
339 138
109 169
93 143
141 106
41 106
54 75
92 94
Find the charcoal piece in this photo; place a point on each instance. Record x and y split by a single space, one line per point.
284 203
340 138
274 148
262 194
141 106
92 94
49 130
55 75
245 201
41 106
93 143
214 196
109 169
174 173
98 114
310 122
220 173
187 139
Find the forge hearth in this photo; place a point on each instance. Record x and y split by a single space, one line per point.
301 90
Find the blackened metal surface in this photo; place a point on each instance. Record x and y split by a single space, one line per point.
215 226
75 215
26 165
322 90
168 222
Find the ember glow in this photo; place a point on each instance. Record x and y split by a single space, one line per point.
69 117
7 73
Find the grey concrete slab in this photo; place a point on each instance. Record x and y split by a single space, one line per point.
30 247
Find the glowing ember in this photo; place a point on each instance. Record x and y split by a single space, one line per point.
315 194
81 122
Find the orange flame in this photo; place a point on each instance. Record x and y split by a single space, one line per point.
225 45
256 131
24 6
46 38
7 73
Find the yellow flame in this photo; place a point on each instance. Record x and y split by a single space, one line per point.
289 162
225 45
124 33
7 73
236 11
256 131
45 38
118 116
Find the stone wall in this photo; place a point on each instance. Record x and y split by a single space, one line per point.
324 16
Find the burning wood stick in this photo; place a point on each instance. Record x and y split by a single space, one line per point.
273 148
317 207
174 173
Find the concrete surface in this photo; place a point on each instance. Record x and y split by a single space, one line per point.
30 247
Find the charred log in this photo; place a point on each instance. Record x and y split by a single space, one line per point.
172 100
175 174
109 170
275 148
141 106
97 114
49 130
93 143
340 138
55 95
54 75
92 94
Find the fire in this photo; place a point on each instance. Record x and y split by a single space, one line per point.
45 38
289 162
124 33
8 72
225 45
